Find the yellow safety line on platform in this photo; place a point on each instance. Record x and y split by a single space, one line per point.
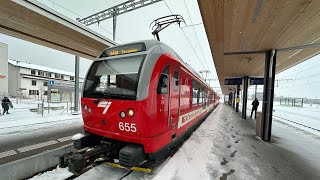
146 170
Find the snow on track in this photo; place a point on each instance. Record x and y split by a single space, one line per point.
56 174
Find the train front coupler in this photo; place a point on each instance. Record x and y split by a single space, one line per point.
90 151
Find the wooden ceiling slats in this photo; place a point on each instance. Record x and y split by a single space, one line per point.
279 24
37 28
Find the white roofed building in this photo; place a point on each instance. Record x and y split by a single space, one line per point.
31 81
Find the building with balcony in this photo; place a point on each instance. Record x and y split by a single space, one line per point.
31 81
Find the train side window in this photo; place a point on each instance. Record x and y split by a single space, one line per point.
163 82
195 90
201 95
176 81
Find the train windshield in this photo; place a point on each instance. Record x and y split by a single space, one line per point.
114 78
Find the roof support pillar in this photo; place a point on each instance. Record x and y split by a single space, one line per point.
234 99
268 94
245 97
76 86
237 99
230 98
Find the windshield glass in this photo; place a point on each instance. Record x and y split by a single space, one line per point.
114 78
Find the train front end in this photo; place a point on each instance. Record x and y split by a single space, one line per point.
114 118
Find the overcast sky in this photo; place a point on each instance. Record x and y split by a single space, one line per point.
134 26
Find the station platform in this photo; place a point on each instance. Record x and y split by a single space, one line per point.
225 147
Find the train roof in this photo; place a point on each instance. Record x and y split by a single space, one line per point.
149 44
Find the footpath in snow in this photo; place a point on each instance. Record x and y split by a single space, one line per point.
225 147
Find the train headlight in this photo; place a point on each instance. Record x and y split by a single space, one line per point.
130 113
89 110
122 114
85 107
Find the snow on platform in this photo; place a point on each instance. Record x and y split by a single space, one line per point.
225 147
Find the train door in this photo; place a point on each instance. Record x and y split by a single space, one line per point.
163 98
174 98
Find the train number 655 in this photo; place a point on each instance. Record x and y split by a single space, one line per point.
129 127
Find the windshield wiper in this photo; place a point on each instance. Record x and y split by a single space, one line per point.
118 96
122 96
99 99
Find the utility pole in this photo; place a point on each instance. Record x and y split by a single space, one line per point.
76 88
209 80
282 80
206 72
18 92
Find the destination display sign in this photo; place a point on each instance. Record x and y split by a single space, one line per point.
256 81
232 81
127 49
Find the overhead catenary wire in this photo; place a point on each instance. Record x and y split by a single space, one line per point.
186 37
303 84
194 30
301 71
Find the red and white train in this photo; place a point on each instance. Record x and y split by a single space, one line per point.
140 101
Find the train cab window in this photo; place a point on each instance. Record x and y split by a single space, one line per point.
175 81
115 78
163 82
195 90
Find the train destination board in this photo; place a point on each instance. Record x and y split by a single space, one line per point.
256 81
233 81
131 48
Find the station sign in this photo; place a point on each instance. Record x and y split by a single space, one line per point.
232 81
51 82
61 91
256 81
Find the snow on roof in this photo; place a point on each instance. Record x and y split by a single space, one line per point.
39 67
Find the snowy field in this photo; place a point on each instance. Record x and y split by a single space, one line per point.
21 121
223 147
306 117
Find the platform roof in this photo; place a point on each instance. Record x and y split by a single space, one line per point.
32 21
259 25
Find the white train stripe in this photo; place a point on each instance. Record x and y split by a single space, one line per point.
185 118
7 153
37 146
68 138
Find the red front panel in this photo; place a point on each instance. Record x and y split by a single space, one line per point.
155 118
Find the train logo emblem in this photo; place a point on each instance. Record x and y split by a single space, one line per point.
105 105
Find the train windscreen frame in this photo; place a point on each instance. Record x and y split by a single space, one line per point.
115 78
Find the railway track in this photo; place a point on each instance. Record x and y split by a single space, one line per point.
119 176
297 123
298 114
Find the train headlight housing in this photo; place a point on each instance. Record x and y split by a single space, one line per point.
130 113
122 114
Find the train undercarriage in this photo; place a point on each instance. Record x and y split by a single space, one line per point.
94 150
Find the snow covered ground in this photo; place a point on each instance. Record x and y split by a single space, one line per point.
21 121
225 147
306 118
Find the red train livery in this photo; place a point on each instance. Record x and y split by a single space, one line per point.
140 101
